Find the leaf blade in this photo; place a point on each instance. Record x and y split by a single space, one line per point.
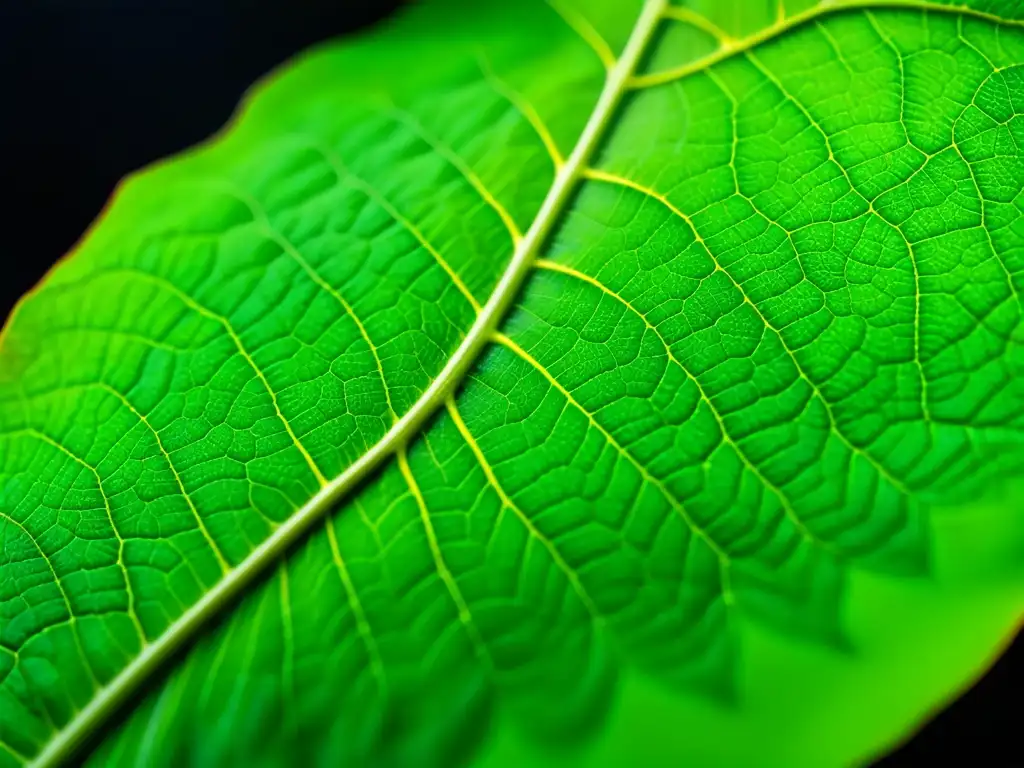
552 374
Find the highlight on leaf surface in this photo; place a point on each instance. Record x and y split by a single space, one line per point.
609 382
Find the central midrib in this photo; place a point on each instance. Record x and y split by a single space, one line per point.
112 695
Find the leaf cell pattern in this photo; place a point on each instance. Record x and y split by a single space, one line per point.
775 321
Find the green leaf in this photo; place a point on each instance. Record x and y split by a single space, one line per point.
606 382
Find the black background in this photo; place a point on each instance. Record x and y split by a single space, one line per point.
93 89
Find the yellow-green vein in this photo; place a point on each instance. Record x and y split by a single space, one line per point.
784 500
263 220
132 614
461 606
344 172
356 606
72 618
525 108
805 112
411 121
581 25
833 424
199 309
221 560
676 505
785 24
532 530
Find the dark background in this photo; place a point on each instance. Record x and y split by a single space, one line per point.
92 89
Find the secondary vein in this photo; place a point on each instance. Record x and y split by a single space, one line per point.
730 47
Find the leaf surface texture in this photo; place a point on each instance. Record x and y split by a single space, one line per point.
528 377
